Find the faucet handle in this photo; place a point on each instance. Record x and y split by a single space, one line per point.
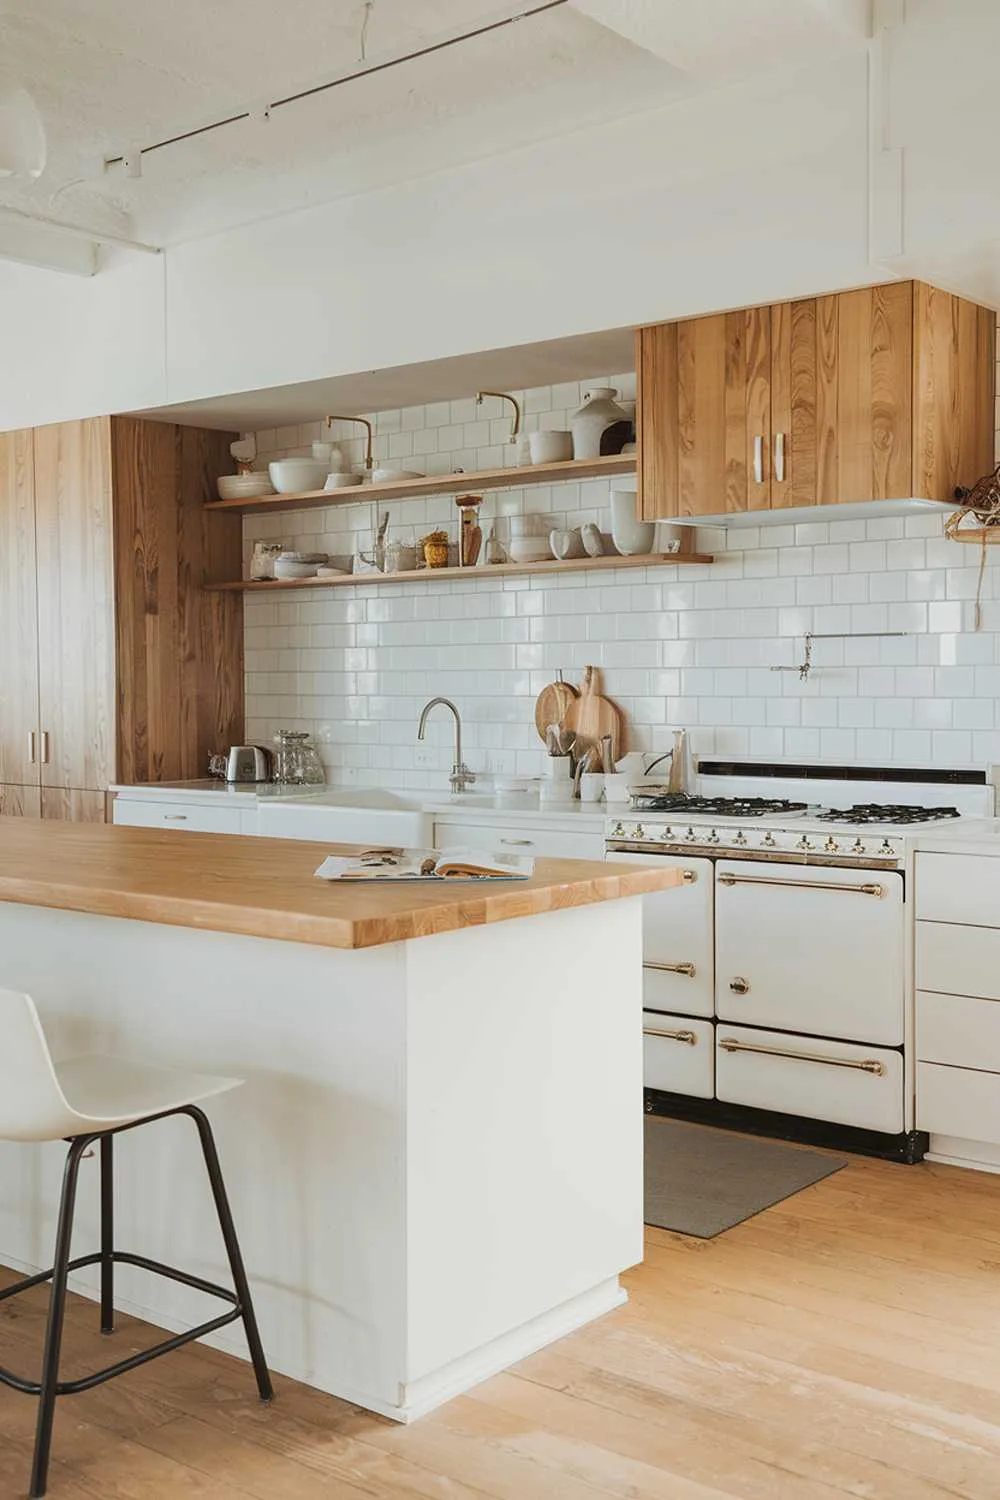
461 777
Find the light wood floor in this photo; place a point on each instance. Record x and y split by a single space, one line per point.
846 1342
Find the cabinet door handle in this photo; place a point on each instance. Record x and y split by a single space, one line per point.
175 817
518 843
862 1065
688 970
45 747
758 459
31 746
779 457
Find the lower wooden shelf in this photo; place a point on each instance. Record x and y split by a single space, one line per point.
495 570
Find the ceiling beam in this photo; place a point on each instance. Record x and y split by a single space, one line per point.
33 245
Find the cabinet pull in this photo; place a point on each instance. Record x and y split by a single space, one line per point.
758 459
687 1037
45 747
779 457
175 817
801 885
688 970
688 877
518 843
31 746
861 1065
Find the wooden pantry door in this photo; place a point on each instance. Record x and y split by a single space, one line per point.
76 663
704 415
19 743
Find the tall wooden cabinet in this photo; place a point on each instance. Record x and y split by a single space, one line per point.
116 665
879 394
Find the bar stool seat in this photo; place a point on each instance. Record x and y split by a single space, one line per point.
92 1099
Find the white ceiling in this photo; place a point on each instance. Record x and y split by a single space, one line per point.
587 356
113 76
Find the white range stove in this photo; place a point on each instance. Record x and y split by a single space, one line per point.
775 977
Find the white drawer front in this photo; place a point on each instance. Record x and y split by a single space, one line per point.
678 931
820 1080
503 838
959 1031
186 817
678 1055
958 1102
810 949
958 960
958 888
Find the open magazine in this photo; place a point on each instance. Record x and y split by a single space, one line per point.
426 864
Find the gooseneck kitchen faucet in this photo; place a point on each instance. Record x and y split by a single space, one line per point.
461 776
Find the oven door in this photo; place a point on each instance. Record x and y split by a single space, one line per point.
678 972
810 949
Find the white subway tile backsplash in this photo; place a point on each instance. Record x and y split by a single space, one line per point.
690 645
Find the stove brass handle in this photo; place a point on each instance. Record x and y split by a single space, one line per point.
687 1037
739 985
801 885
861 1065
688 970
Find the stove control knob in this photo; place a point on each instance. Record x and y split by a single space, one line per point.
769 841
618 832
886 847
857 847
804 842
740 839
832 845
690 835
638 832
667 833
713 838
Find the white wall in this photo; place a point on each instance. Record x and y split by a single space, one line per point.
744 195
685 645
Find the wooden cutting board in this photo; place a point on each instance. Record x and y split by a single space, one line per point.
592 716
552 704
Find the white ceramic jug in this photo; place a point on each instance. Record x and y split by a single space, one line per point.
599 411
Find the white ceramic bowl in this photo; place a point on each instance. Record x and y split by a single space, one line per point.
304 557
293 476
286 568
392 476
527 549
340 481
244 486
550 447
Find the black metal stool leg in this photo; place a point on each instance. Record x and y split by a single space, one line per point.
57 1310
107 1235
239 1274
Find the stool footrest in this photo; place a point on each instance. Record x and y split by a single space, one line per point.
124 1258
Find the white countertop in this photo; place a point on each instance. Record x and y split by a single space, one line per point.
586 817
965 836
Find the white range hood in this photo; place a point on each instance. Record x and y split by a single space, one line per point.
859 510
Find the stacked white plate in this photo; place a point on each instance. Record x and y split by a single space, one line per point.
244 486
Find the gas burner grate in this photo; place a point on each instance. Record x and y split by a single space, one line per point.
723 807
879 812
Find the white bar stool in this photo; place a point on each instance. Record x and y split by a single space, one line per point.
94 1099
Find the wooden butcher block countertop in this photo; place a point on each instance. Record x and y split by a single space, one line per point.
266 887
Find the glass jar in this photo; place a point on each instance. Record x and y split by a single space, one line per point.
296 760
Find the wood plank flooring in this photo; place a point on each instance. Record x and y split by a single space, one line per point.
844 1343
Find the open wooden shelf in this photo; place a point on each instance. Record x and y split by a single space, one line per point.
492 570
441 484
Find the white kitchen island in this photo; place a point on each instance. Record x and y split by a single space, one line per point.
436 1164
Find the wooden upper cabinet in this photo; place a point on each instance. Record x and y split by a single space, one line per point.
76 661
18 614
878 394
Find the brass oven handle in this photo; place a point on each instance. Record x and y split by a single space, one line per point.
686 969
687 1037
800 885
867 1065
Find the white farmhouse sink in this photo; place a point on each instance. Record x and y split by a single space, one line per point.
353 815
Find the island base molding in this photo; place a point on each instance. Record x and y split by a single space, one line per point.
981 1156
435 1166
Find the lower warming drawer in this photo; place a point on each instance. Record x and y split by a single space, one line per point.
803 1075
678 1054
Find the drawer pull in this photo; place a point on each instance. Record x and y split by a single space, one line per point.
518 843
688 970
865 1065
689 876
175 817
739 985
800 885
688 1038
